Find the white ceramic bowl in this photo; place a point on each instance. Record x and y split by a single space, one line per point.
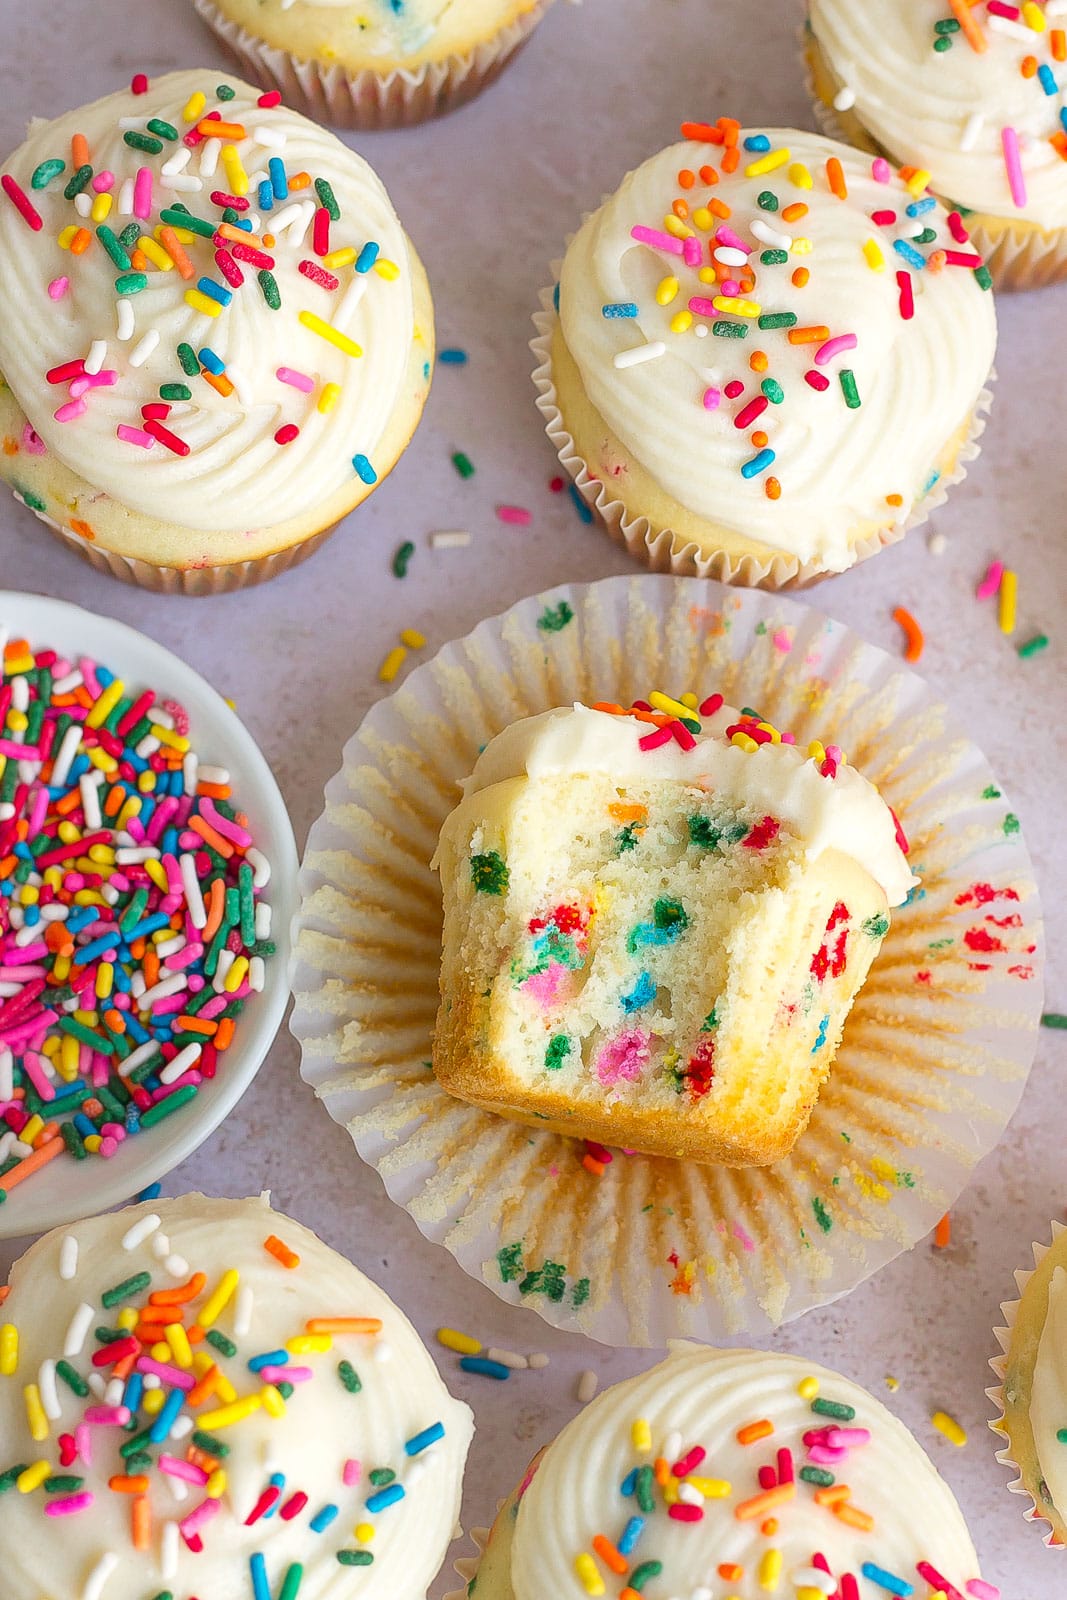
65 1190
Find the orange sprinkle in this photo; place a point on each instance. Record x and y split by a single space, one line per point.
755 1430
971 31
913 634
1059 144
730 129
1058 40
629 1594
176 250
181 1294
69 802
197 1025
220 383
32 1163
591 1164
221 846
157 1316
943 1232
139 261
834 1494
794 212
772 488
854 1517
343 1325
80 242
894 499
200 1458
749 1510
300 180
769 1528
228 231
274 1246
609 1555
800 277
224 1034
686 179
703 132
214 791
813 335
759 361
619 812
719 208
79 151
731 1572
151 967
731 159
661 1471
141 1523
759 438
709 176
221 130
835 177
680 209
124 1485
114 802
216 904
1028 68
123 1368
204 1387
5 1290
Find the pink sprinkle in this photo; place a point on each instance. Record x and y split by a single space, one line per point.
785 1466
351 1473
93 380
658 240
1009 140
978 1589
285 1374
174 1467
68 1505
684 1513
956 228
999 9
747 1244
598 1152
728 237
782 641
881 171
730 288
712 397
845 1438
298 380
172 1375
101 182
653 740
702 307
990 584
31 441
623 1058
58 288
83 1441
142 193
72 409
135 436
196 1519
816 380
835 347
691 252
107 1416
516 514
823 1456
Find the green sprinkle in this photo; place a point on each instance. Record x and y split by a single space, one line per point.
291 1585
139 1461
767 201
208 1442
835 1409
643 1489
1061 1435
1032 646
73 1141
162 130
627 838
927 236
142 141
108 1335
269 285
580 1292
509 1260
35 503
131 282
1054 1019
285 1389
134 1446
942 43
822 1215
43 175
709 835
774 258
130 235
187 357
175 391
354 1558
729 330
381 1476
125 1289
559 1048
78 182
983 277
778 319
489 874
96 1041
72 1378
328 199
816 1475
463 464
185 219
224 91
349 1377
221 1343
773 390
1011 823
640 1575
401 559
876 927
947 25
7 1479
62 1483
849 390
164 1594
166 1108
554 619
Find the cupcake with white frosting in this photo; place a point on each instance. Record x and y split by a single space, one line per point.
198 1396
971 94
382 64
224 339
766 357
731 1473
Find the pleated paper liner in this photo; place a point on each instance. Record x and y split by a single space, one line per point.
933 1059
466 1567
661 548
1019 254
1035 1511
368 99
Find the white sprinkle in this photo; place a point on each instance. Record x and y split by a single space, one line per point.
971 130
225 962
161 1246
177 1266
94 1583
640 353
286 217
177 162
350 299
194 899
68 749
537 1361
168 1555
89 788
46 1384
133 855
769 235
449 539
730 256
68 1255
588 1384
170 947
244 1307
382 1352
215 775
184 1061
83 204
124 319
1013 30
98 1384
257 975
260 867
143 348
67 685
80 1324
671 1445
701 330
144 1052
263 920
690 1496
181 1427
844 99
813 1578
507 1358
113 1392
141 1230
272 138
182 183
209 157
125 203
162 991
7 1074
937 544
152 1380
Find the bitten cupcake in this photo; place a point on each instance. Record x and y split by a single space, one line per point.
971 94
198 1396
1032 1396
224 338
385 64
769 356
656 922
731 1473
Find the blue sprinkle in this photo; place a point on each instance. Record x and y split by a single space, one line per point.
820 1038
167 1416
555 298
485 1369
367 256
322 1519
632 1531
269 1358
207 358
886 1580
757 141
92 952
278 181
1063 117
423 1441
131 1395
141 931
214 291
620 308
265 195
582 509
389 1496
627 1485
913 257
276 1481
364 469
919 208
757 464
1048 82
452 358
260 1586
642 993
83 1125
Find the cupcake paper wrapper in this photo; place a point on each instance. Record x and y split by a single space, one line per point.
466 1567
999 1364
934 1056
661 548
368 99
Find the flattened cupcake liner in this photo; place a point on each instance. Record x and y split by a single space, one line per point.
998 1393
1017 253
662 549
933 1059
367 99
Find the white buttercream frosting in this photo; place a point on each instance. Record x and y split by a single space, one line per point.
701 1398
843 813
1048 1393
324 1424
945 111
839 466
236 475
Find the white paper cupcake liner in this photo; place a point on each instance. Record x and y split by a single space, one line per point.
368 99
665 551
1009 1310
466 1567
933 1059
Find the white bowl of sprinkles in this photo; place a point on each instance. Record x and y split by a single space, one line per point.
198 1085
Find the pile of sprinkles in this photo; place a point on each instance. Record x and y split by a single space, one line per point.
161 1393
133 924
666 1489
217 237
725 272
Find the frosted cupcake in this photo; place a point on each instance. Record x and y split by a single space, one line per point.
388 63
769 356
971 95
656 923
224 338
199 1396
731 1472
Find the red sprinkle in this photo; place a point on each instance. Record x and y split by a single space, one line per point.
816 380
317 274
293 1506
286 434
713 703
164 435
139 83
320 233
683 1513
907 295
247 252
956 258
263 1504
229 268
748 414
733 389
273 97
884 219
956 228
220 198
556 485
63 374
690 1462
22 203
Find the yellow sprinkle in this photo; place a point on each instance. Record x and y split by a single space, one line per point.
799 175
1009 588
167 736
463 1343
69 1058
105 977
739 308
412 638
9 1348
155 253
340 258
681 322
744 742
235 976
160 1351
127 1318
892 1384
67 234
33 1477
708 275
386 269
703 219
152 1401
590 1578
101 206
309 1344
273 1401
226 1416
157 875
35 1413
235 172
810 1594
193 107
331 335
950 1428
331 393
215 1487
225 1389
105 703
872 251
364 1531
918 181
93 1141
802 247
689 700
770 1569
1034 17
808 1388
768 163
663 702
201 302
178 1340
216 1303
816 751
711 1488
31 1129
641 1436
674 225
666 290
392 664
